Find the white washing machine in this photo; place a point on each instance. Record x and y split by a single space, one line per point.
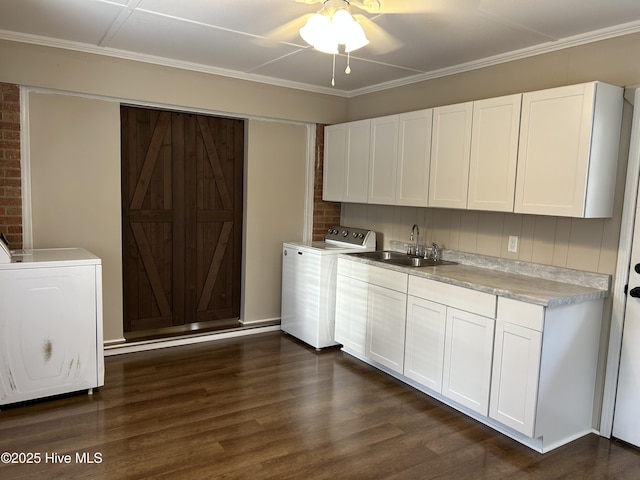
309 273
50 324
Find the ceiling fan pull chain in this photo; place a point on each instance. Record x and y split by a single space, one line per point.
333 73
348 69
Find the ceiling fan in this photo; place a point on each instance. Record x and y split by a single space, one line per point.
334 29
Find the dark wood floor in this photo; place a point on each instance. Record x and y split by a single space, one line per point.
267 407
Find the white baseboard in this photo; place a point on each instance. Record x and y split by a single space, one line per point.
142 346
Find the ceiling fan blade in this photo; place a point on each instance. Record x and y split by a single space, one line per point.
412 6
380 40
309 2
284 33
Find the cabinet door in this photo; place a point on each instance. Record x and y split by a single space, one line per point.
514 385
450 150
414 158
351 313
424 347
467 359
494 153
357 161
386 314
48 332
384 160
553 155
335 160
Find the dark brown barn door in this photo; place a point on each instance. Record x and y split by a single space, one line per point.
182 177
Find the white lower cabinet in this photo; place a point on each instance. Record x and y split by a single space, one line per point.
449 350
371 305
467 359
544 369
386 313
527 370
351 312
515 376
424 348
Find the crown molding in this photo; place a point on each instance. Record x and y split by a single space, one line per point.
547 47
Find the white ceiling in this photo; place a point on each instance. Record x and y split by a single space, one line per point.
229 37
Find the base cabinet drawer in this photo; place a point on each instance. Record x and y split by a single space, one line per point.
473 301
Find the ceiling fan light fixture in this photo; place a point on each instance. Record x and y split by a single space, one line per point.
333 26
341 24
315 30
357 39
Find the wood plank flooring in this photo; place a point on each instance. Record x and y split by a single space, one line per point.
268 407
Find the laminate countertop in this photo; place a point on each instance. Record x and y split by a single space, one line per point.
528 282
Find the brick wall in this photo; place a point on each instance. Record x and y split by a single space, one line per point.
325 214
10 182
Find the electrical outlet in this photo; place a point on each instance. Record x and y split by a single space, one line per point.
513 244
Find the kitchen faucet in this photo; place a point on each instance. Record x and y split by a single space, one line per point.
436 251
415 230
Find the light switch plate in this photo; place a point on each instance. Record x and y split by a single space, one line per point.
513 244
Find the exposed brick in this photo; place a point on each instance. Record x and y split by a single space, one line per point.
10 170
325 214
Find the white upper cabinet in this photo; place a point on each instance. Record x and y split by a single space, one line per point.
568 150
550 152
384 160
414 158
494 153
334 166
400 159
450 153
346 162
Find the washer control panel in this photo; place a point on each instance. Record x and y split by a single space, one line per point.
349 235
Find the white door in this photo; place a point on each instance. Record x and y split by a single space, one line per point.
514 383
494 153
626 420
467 359
335 159
357 163
383 160
414 158
424 347
386 314
351 313
450 153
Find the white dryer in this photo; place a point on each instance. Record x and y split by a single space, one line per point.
309 273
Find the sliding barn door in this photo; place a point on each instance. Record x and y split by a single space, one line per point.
182 177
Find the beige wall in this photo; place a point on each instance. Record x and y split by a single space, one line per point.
38 66
613 61
75 186
275 211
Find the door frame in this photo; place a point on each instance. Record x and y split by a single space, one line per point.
632 95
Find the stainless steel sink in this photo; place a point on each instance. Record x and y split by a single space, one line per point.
397 258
